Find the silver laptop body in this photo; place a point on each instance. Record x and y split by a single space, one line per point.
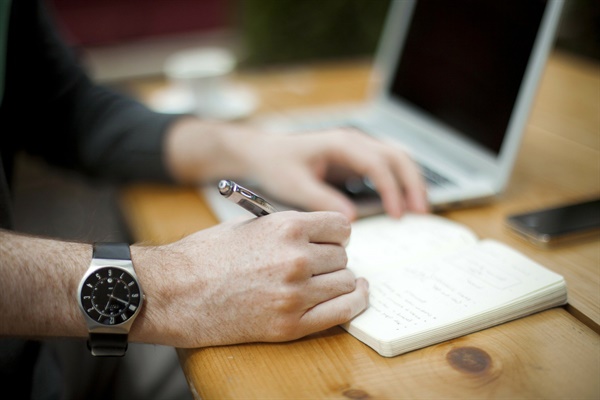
458 81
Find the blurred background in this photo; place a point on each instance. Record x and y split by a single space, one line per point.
261 32
124 40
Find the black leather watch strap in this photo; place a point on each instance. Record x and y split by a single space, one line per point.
112 251
107 344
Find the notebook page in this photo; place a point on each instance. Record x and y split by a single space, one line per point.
421 297
380 243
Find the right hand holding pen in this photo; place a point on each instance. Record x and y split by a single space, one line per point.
274 278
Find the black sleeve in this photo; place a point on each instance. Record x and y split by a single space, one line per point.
54 110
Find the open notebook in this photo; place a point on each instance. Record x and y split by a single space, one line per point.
431 280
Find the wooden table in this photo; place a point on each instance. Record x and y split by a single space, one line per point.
553 354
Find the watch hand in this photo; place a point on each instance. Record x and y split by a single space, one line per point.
108 302
118 299
111 293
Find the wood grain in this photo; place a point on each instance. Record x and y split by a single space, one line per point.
554 354
547 355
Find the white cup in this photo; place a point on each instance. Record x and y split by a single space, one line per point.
202 73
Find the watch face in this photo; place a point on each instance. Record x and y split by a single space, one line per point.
110 296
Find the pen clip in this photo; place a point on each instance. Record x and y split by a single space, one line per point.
245 198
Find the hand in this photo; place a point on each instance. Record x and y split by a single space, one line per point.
274 278
294 168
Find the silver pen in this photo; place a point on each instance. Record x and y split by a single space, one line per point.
245 198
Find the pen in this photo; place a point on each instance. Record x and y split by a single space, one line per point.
245 198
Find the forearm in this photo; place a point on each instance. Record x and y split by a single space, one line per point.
38 288
273 288
199 151
39 279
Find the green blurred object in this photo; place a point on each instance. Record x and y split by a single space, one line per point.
579 31
287 31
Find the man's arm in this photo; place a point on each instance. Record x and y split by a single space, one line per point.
233 283
39 284
112 136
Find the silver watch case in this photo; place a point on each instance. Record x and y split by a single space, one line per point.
93 325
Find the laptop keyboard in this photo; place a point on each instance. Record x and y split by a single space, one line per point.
360 189
433 178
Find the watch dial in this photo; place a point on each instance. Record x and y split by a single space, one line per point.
110 295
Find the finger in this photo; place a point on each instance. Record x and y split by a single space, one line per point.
312 194
336 311
327 227
378 169
324 258
326 286
369 157
408 172
388 187
392 171
315 260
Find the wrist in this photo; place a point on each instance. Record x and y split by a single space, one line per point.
201 151
110 298
154 324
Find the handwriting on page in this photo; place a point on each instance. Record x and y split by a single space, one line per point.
425 295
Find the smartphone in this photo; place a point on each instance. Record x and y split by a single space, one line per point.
550 226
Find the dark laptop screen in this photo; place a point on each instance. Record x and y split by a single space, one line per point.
463 62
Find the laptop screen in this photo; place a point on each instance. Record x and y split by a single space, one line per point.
463 62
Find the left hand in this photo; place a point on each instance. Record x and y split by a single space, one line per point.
293 169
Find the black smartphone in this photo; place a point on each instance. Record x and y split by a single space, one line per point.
558 224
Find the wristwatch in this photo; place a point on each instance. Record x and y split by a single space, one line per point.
110 297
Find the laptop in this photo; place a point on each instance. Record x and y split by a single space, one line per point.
458 79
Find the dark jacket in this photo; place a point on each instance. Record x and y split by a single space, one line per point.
50 108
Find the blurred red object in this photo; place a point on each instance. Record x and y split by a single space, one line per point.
105 22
